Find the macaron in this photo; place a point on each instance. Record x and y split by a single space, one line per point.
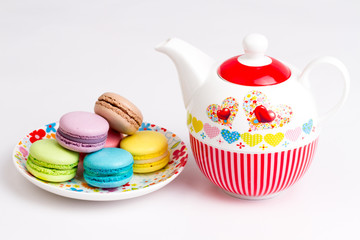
113 139
108 168
122 115
82 131
51 162
149 149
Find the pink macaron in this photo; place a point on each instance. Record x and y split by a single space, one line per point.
82 131
113 139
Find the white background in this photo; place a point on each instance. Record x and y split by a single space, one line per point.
59 56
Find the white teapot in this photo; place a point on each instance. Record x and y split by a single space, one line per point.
252 120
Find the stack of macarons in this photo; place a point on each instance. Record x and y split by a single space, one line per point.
108 141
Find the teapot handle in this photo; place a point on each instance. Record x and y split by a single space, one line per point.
304 79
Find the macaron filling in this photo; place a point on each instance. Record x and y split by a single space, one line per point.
107 172
144 160
49 171
105 179
51 165
82 139
111 103
150 167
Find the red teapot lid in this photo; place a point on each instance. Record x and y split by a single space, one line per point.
254 68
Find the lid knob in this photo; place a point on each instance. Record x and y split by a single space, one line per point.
255 46
254 68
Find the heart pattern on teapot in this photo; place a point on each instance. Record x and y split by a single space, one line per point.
293 134
308 126
229 136
274 139
211 131
280 139
197 124
264 115
252 139
261 115
225 113
189 118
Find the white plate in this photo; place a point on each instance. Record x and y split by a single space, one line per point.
139 185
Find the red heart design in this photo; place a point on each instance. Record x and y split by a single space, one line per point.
223 113
263 115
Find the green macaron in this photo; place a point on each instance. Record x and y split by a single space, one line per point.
51 162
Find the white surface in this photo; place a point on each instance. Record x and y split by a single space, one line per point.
59 56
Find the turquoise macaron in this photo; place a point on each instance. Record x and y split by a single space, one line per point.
108 168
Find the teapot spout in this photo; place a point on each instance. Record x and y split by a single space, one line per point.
193 66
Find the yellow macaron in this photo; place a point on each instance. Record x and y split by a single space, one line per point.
149 149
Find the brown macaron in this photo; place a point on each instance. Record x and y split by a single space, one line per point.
122 115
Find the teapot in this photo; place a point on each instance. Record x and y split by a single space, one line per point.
252 120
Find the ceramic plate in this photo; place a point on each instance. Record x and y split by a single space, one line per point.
139 185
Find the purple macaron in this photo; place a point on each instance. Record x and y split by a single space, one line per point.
82 131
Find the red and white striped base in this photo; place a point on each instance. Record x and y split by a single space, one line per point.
252 176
